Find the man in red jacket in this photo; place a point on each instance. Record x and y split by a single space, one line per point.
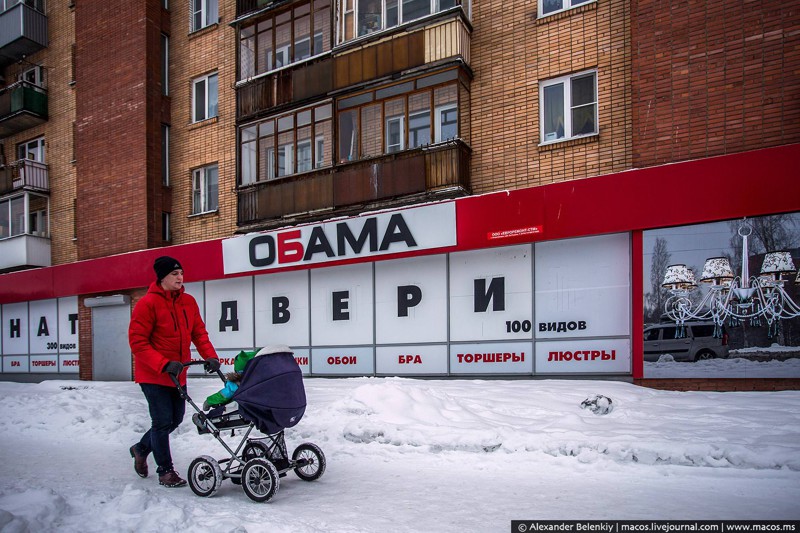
163 324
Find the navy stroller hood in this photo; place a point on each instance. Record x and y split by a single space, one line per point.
271 394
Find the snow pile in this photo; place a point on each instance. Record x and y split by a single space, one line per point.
413 455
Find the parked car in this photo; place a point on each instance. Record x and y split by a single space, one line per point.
699 342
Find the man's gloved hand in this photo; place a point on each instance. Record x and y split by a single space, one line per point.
174 368
211 365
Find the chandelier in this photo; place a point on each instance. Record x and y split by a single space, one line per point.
733 299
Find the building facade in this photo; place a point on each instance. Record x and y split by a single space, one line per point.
339 136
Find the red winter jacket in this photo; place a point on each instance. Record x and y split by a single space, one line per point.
162 326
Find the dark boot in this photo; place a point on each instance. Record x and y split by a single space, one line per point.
139 461
171 479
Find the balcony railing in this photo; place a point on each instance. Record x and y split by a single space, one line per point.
437 171
24 174
244 7
22 106
23 31
287 86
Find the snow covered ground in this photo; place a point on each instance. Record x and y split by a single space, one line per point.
412 455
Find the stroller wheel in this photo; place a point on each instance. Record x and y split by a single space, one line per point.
205 476
254 449
310 461
260 480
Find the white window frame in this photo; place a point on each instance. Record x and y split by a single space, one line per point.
566 5
165 64
208 16
32 150
165 155
399 120
426 112
166 226
207 106
288 159
201 199
567 111
437 121
319 151
282 51
38 76
304 145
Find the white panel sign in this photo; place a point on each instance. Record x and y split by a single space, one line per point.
226 358
15 329
583 287
15 363
413 229
402 360
342 305
68 326
491 358
43 327
44 363
342 361
282 313
490 294
197 291
588 356
229 312
303 359
68 363
411 300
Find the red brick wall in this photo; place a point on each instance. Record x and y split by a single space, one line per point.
118 103
712 78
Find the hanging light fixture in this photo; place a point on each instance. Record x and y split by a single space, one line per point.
733 298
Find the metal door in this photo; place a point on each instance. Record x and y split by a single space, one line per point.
111 353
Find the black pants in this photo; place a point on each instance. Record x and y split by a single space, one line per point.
166 413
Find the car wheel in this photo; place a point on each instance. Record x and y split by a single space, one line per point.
704 355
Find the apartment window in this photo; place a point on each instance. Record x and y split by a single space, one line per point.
204 97
35 4
166 230
286 144
203 13
399 117
362 17
164 64
33 76
205 189
12 217
165 155
285 37
32 150
548 7
568 107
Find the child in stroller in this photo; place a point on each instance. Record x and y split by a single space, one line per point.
270 397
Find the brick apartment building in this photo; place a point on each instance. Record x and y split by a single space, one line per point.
128 127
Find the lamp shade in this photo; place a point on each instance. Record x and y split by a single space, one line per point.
778 263
678 277
717 269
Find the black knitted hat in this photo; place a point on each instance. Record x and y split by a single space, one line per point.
164 265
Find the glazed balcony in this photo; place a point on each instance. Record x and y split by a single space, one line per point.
444 38
433 172
23 31
22 106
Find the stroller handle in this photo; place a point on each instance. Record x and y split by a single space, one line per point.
187 365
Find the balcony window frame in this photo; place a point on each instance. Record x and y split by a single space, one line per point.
411 141
356 22
276 138
566 5
565 120
261 36
205 189
210 110
33 147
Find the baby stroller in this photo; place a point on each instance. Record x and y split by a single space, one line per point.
270 398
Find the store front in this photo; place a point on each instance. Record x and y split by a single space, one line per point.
555 280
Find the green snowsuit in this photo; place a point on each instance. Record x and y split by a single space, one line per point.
225 394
